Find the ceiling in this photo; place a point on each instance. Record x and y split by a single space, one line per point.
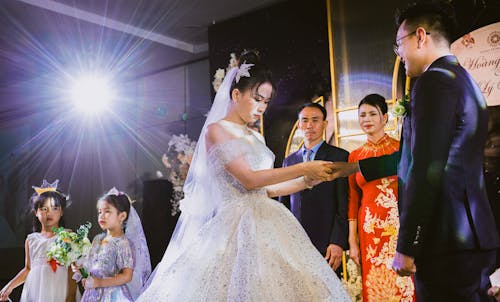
181 24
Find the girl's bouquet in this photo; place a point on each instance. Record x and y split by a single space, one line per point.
69 247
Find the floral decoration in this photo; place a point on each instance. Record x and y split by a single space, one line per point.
177 160
401 107
69 247
221 73
353 284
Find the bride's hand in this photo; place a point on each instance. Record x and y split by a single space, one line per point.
318 170
311 182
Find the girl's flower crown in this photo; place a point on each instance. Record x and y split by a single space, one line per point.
46 187
49 187
114 191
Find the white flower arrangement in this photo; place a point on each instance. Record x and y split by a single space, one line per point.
69 246
221 73
177 160
353 284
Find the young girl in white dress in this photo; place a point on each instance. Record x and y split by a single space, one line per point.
41 282
233 242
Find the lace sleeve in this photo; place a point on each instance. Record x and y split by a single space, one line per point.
229 150
125 258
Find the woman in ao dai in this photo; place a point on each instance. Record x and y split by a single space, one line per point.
373 212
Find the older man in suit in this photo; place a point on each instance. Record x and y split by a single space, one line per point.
322 210
447 232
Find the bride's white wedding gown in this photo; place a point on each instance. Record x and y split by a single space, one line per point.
253 249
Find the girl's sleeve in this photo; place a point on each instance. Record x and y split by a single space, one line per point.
85 261
125 258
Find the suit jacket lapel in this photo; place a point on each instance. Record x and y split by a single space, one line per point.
321 154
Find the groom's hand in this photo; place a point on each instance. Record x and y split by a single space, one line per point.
334 256
404 265
344 169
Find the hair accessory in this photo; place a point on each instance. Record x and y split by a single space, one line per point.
243 71
114 191
46 187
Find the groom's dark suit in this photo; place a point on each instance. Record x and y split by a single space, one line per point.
446 222
322 210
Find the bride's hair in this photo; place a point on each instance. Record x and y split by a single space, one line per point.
259 73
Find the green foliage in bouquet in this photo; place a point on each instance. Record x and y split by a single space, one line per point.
69 246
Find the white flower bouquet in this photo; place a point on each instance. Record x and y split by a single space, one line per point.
352 283
69 247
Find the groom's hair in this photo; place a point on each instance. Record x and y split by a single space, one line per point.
438 17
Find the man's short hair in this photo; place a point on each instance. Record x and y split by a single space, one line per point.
312 105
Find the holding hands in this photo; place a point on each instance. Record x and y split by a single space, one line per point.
343 169
318 171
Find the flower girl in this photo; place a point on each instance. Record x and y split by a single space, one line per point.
41 281
118 262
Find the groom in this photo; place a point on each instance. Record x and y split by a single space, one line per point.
322 210
447 234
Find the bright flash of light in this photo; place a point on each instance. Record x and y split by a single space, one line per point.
91 94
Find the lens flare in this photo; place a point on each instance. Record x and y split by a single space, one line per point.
92 94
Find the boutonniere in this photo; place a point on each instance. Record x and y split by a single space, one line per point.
401 106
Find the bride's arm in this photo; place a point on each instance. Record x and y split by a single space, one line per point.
290 186
251 179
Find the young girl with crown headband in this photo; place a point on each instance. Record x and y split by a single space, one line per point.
233 242
118 262
41 282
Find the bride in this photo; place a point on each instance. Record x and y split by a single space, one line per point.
232 242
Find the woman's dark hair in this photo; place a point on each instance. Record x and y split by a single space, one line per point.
438 17
39 200
121 202
375 100
259 73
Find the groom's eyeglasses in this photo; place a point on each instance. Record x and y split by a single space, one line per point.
395 45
